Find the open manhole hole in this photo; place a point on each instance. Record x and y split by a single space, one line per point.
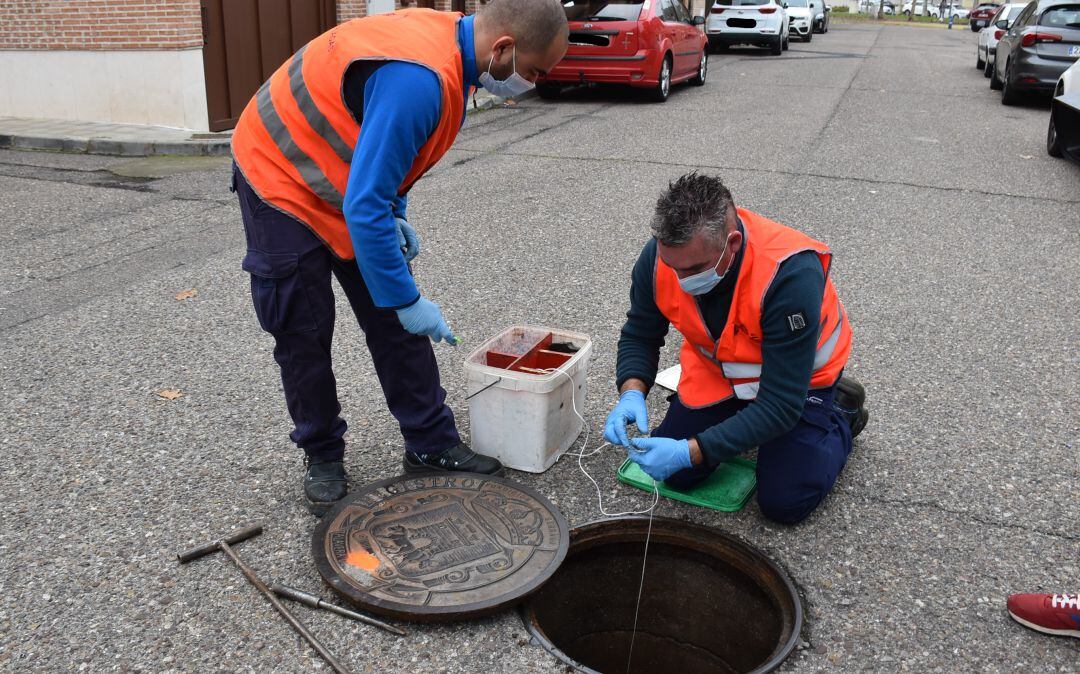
710 602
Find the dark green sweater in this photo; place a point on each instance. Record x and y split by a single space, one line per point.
787 356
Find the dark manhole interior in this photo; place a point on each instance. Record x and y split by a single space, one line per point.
710 602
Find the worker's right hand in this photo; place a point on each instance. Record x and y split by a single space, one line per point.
631 408
424 317
407 240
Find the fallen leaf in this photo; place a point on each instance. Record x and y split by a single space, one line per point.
187 294
168 393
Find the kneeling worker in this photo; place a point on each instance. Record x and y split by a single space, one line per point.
765 342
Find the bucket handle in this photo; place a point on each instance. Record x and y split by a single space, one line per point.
476 393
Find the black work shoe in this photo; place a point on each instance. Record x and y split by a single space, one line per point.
460 458
850 400
325 483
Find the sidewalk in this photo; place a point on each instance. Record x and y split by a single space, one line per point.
134 140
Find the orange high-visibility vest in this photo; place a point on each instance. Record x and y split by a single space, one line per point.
717 368
294 141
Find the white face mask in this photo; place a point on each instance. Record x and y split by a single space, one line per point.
512 86
704 281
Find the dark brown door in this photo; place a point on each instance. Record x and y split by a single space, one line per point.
457 6
244 42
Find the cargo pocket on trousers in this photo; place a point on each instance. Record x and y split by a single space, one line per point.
278 292
818 417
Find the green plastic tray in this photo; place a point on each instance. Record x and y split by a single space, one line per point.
727 489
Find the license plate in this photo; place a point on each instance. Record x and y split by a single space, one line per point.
980 23
1074 50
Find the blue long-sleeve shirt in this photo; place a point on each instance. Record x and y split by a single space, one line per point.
787 357
398 105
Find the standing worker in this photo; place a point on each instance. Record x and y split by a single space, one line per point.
765 342
325 155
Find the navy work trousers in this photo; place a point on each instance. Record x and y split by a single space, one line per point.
794 471
290 286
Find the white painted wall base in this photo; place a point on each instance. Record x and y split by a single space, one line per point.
165 88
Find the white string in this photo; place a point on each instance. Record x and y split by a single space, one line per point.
581 454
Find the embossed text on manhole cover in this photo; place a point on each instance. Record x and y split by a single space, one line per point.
441 546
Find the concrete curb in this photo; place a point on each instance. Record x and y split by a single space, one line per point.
215 145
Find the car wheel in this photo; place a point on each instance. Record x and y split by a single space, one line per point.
1053 142
988 68
809 36
979 62
660 92
703 70
1009 95
777 46
787 43
995 83
548 92
974 28
825 28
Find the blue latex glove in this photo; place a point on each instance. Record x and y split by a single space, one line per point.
631 408
661 458
424 317
407 240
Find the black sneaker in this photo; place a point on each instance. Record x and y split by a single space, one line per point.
850 400
460 458
325 483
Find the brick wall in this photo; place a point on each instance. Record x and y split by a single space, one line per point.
351 9
99 24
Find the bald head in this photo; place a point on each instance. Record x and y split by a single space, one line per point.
534 24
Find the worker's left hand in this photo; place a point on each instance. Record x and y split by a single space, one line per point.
407 240
660 458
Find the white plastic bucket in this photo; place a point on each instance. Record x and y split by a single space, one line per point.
526 418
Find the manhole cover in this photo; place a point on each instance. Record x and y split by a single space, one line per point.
709 603
440 547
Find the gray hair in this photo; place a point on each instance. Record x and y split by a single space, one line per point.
534 24
690 204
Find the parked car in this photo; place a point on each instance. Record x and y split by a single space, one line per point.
763 23
871 7
1063 132
801 18
1040 45
931 10
958 13
980 16
986 47
648 44
821 20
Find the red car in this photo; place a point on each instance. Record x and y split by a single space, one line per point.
980 16
649 44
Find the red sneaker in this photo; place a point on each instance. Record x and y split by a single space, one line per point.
1049 613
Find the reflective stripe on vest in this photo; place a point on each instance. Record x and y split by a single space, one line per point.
313 176
753 370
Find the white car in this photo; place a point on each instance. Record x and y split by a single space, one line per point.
934 10
989 36
763 23
801 18
931 10
1063 132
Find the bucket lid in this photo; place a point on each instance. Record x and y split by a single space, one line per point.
441 546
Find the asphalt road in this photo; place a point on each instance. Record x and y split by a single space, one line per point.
956 241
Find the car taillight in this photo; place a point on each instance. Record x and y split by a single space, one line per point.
717 10
766 10
1034 38
998 33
